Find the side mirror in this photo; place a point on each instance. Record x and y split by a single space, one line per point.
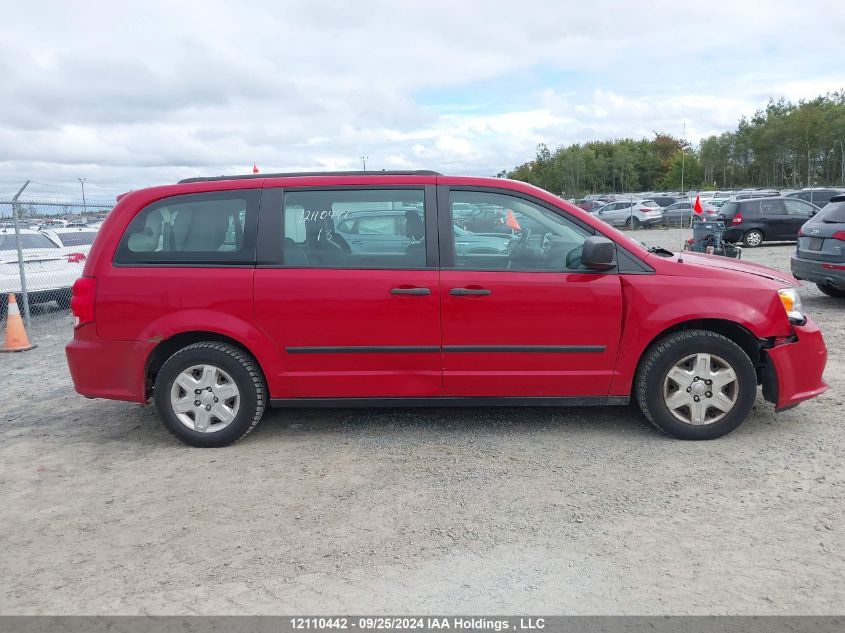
599 253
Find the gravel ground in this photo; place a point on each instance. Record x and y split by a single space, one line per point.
555 511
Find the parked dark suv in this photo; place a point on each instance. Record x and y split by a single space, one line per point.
817 195
820 256
759 220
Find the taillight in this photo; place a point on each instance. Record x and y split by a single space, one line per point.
839 235
75 258
801 231
737 219
82 300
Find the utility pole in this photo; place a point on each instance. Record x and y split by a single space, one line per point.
20 253
84 204
683 156
364 161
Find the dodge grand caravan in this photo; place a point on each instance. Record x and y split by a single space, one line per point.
215 297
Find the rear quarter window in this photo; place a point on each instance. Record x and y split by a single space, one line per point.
206 228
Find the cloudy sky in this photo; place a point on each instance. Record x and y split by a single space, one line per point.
127 94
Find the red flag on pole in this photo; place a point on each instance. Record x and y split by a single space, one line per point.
254 168
697 206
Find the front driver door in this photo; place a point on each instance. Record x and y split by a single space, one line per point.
529 321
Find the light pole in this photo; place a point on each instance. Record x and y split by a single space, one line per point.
364 161
84 204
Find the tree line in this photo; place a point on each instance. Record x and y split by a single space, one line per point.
785 145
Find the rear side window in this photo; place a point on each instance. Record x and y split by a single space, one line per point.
772 207
208 228
750 208
354 228
831 214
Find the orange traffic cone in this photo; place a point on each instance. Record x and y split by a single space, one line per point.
16 339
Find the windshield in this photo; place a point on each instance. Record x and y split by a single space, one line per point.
82 238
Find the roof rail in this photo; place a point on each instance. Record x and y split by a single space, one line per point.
418 172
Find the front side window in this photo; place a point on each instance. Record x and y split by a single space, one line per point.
797 207
355 228
517 235
206 228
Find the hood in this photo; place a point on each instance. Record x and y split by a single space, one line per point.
727 263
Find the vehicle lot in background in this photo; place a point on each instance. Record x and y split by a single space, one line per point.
754 221
820 254
572 511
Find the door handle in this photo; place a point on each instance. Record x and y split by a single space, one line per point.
462 292
410 291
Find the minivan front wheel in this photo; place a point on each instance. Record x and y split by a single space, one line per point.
752 238
210 394
696 385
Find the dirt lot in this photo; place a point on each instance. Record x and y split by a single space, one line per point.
575 511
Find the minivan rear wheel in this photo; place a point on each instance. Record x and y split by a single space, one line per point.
753 238
210 394
696 385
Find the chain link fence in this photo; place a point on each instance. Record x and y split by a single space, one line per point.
46 232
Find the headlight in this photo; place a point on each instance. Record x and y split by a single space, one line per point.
792 304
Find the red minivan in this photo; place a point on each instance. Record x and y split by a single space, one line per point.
218 296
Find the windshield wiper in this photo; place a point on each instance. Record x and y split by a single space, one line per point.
658 250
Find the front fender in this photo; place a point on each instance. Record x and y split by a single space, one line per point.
655 304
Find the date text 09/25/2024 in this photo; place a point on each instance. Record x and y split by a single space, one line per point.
417 623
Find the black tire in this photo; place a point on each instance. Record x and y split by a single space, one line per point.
63 299
632 223
753 238
831 292
664 354
245 374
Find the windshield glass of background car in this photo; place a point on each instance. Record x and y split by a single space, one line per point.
83 238
28 240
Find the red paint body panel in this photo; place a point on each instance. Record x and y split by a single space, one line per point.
352 308
530 309
107 369
268 310
799 366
